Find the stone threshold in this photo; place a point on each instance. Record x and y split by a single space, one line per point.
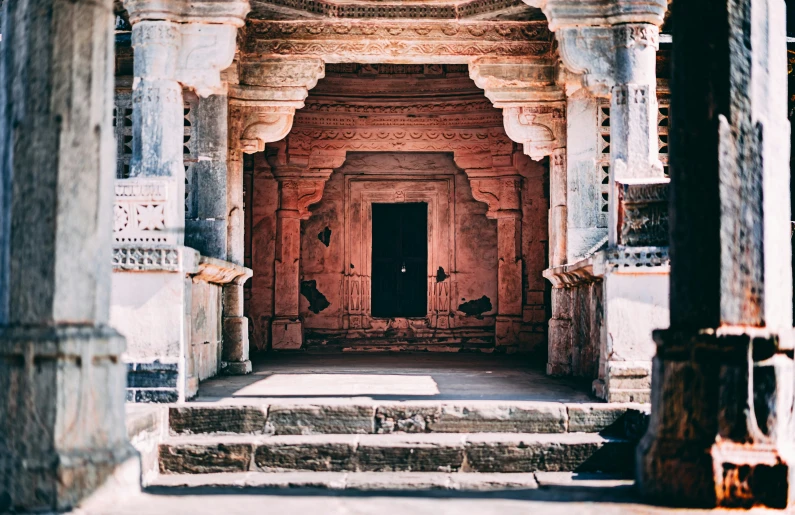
388 481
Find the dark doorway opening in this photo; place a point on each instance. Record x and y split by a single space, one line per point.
400 260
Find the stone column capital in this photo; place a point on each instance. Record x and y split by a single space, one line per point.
532 103
601 13
593 54
268 95
501 194
299 189
185 42
223 12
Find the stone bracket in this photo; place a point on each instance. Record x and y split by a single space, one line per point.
502 195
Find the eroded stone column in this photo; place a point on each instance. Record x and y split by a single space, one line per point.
62 432
722 393
503 196
295 195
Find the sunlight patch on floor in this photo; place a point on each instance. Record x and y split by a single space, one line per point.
340 384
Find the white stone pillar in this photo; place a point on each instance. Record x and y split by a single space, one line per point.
179 46
611 48
62 431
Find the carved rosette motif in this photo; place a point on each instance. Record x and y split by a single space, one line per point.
141 212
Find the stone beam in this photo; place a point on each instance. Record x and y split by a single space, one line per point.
397 41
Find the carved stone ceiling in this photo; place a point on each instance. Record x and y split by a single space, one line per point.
395 9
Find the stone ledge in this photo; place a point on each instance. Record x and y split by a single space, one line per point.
218 271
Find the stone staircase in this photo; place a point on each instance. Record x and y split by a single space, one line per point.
459 445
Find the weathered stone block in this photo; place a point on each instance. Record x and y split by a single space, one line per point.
405 418
544 454
410 456
483 418
306 455
222 419
627 421
204 458
305 419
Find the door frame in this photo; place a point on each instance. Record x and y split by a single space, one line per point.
361 192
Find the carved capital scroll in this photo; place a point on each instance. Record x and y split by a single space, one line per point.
502 195
267 99
296 194
184 42
533 112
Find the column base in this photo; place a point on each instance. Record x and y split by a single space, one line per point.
63 404
236 368
720 430
722 475
625 381
287 333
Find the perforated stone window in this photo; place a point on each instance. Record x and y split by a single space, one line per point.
122 126
603 160
663 124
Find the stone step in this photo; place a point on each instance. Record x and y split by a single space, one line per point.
385 481
377 417
484 452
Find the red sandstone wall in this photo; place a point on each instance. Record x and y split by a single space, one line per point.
475 242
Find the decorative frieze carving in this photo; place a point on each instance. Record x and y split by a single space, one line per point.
636 259
167 258
643 213
406 41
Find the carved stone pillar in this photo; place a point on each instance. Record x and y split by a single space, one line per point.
502 194
62 431
612 48
262 107
296 193
178 45
722 393
206 230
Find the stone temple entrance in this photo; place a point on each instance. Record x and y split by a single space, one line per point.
400 260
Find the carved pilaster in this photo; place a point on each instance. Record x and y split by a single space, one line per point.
296 194
502 195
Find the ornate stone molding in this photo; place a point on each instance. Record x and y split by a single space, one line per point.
575 274
227 12
451 9
570 13
398 41
155 258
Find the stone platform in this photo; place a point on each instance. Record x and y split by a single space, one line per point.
412 376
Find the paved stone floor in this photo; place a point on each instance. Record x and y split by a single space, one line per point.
553 501
395 377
